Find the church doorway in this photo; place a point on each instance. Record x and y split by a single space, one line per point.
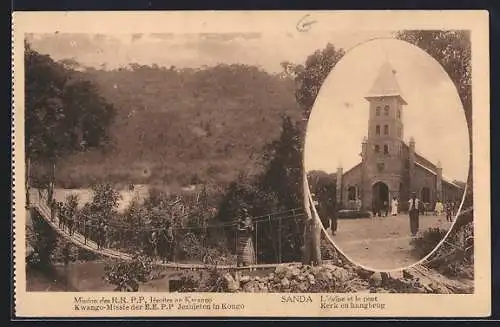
351 193
426 195
380 194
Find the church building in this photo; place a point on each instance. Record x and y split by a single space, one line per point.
389 166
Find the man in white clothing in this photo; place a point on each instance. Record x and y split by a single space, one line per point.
394 206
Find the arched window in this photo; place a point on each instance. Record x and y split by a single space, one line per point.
351 193
399 113
377 148
377 111
377 129
386 110
386 149
386 129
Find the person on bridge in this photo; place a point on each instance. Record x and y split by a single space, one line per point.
62 218
106 236
413 209
100 235
166 243
53 209
70 222
154 244
245 250
170 243
86 228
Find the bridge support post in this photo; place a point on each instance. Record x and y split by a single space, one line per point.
279 241
311 254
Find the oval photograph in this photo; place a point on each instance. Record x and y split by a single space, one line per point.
387 154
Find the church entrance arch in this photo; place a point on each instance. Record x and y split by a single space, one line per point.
380 194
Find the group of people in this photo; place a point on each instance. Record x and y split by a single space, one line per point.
65 217
381 209
162 243
449 208
98 231
414 208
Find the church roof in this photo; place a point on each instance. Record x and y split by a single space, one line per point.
425 164
386 84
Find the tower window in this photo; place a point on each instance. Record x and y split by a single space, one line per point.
377 130
386 149
386 111
399 132
386 130
377 111
377 148
399 114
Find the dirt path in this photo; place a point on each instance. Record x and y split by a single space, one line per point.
382 242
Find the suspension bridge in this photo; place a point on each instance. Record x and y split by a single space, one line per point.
38 202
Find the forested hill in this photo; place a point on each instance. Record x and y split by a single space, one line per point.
181 126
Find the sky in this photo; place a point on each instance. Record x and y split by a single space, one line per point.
433 116
265 50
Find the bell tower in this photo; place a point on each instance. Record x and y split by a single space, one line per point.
384 146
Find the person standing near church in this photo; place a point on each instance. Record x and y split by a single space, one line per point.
449 211
413 210
394 206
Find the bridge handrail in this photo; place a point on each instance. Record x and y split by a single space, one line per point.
296 212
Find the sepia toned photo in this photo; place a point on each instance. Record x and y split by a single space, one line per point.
193 170
379 157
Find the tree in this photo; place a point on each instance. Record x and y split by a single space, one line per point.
104 201
308 80
309 77
452 49
64 113
135 216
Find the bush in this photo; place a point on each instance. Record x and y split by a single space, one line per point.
190 282
126 275
328 251
347 213
430 238
455 260
196 282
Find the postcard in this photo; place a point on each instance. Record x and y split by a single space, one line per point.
251 164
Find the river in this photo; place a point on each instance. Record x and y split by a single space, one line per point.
85 195
85 277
